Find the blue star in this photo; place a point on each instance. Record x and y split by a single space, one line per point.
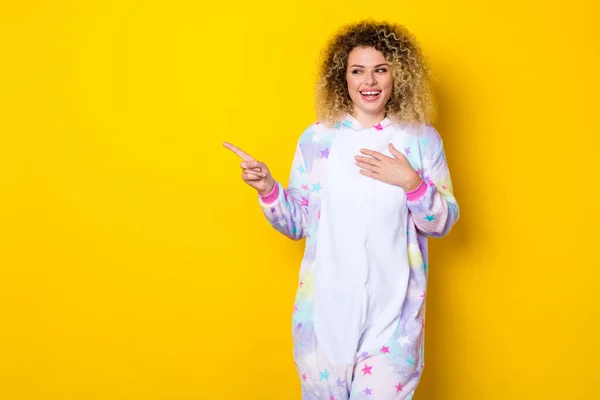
324 375
317 187
301 168
347 123
411 360
337 125
425 142
429 218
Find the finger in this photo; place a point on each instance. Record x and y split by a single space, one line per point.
375 154
395 152
250 177
369 167
367 160
239 152
250 166
257 173
370 174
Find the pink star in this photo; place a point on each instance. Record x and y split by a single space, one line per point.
379 127
420 171
304 187
317 123
304 201
398 387
304 377
430 182
423 295
385 350
295 307
367 370
319 215
332 397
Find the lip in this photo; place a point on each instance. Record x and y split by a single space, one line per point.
370 97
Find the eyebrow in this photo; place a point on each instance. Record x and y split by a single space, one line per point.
362 66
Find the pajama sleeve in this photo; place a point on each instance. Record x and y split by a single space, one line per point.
287 209
432 205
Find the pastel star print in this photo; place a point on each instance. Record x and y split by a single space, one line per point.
317 187
367 370
429 218
368 391
324 375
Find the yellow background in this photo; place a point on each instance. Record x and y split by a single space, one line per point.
135 264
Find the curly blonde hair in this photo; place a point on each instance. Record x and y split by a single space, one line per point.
411 98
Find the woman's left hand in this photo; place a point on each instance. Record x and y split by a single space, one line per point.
395 171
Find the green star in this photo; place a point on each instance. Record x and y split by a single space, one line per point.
429 218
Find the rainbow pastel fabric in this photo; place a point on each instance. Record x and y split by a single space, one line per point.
363 278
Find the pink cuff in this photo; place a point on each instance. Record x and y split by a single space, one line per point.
271 196
417 193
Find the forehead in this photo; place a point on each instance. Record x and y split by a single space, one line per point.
365 56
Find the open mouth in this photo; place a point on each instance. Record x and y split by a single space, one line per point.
370 95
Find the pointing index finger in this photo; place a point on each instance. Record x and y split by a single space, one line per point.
239 152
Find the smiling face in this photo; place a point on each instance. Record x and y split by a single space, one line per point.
369 81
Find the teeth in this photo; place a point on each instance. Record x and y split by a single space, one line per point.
370 93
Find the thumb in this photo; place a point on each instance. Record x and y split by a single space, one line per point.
395 152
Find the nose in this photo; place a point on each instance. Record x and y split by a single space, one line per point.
370 78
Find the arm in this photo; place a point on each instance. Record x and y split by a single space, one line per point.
432 204
287 209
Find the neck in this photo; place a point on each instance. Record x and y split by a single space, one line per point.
369 120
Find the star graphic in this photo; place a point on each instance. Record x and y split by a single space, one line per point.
301 283
379 127
398 387
340 382
420 172
332 397
407 150
317 187
347 123
301 168
364 354
385 350
295 307
337 125
281 221
304 201
324 375
304 187
299 325
368 392
411 360
304 377
367 370
429 218
404 340
273 211
325 153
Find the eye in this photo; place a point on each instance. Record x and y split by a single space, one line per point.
382 70
356 71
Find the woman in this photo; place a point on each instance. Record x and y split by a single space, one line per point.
368 185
